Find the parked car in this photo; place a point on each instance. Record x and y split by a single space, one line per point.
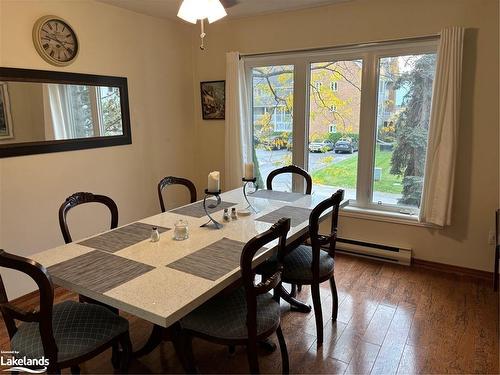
348 145
323 146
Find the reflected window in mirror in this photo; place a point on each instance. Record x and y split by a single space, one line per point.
77 111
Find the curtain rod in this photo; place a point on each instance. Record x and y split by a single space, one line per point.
342 46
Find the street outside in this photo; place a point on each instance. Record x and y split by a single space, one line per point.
270 160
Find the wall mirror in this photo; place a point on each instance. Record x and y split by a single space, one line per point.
45 111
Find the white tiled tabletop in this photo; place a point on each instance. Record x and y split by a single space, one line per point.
164 295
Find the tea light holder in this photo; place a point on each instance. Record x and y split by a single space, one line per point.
181 230
211 222
247 181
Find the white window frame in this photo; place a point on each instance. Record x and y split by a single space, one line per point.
370 55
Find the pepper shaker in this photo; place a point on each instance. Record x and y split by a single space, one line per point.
234 215
225 216
155 235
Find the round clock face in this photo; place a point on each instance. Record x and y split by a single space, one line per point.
55 40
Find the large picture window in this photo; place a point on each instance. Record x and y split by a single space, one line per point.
356 119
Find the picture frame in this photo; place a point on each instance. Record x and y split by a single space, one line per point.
213 100
5 113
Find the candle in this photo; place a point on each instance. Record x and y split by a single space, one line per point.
249 171
213 182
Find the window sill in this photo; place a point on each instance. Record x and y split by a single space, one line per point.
390 217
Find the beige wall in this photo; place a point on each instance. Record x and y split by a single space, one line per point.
476 193
155 56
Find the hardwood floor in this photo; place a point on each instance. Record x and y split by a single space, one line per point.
392 319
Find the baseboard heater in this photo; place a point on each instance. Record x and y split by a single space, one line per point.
374 251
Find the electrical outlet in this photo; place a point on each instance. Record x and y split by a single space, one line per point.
491 238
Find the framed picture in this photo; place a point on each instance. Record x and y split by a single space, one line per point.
213 100
5 116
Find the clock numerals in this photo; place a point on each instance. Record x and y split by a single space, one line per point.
57 41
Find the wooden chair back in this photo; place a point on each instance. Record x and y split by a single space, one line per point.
43 316
171 180
290 169
82 198
318 240
279 231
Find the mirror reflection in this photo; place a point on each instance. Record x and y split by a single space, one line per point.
34 112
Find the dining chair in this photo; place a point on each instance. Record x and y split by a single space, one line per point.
67 333
246 315
290 169
312 265
77 199
171 180
293 169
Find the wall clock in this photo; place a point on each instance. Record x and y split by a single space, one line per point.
55 40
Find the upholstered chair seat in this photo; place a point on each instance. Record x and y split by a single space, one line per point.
79 329
297 265
225 316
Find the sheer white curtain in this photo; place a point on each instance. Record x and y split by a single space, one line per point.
443 133
60 120
238 146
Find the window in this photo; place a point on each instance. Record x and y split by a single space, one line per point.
337 168
403 112
272 108
377 125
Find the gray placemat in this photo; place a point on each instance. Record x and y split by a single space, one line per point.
196 209
284 196
213 261
297 214
98 271
121 238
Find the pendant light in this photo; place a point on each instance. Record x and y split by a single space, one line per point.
194 10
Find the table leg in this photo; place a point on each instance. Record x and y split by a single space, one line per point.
155 339
267 345
294 303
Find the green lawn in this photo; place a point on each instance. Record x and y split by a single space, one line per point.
344 174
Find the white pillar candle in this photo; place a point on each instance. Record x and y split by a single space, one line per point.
213 182
249 171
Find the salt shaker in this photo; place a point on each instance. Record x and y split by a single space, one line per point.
234 216
225 216
155 235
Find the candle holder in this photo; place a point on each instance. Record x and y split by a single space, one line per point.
245 194
211 222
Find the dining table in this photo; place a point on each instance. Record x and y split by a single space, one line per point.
163 281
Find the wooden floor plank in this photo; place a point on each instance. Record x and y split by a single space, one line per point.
390 353
376 331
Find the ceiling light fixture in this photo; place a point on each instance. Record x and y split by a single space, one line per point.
194 10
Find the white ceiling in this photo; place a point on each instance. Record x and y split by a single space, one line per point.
244 8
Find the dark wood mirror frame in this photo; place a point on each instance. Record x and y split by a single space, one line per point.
44 76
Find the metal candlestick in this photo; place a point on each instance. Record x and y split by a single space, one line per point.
245 194
211 221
